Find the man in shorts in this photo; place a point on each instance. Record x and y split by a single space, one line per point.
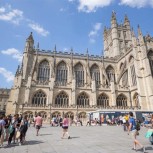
134 133
38 123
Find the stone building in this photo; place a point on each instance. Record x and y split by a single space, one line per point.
56 83
4 96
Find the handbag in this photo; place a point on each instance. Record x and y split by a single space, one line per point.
18 133
10 129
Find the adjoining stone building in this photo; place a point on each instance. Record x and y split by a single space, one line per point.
4 96
56 83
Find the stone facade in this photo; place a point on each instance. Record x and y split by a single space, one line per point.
53 82
4 96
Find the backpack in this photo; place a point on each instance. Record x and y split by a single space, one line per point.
137 126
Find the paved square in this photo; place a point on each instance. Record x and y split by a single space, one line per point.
95 139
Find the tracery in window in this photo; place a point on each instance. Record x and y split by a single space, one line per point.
61 74
79 75
94 72
43 71
133 74
83 100
110 73
62 99
103 100
121 101
39 99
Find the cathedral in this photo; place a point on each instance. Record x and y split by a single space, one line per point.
55 83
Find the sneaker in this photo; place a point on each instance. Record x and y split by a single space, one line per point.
20 143
69 137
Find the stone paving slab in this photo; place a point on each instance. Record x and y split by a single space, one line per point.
95 139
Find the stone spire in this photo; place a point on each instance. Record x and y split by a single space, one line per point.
139 31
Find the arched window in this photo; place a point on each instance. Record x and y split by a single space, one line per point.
94 72
110 73
133 74
150 56
39 99
43 71
103 100
83 100
62 99
121 101
61 74
79 75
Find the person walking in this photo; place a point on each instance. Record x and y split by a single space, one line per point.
38 123
2 125
65 127
134 132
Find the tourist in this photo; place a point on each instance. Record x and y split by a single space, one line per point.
23 129
2 125
134 132
7 123
38 123
65 127
12 129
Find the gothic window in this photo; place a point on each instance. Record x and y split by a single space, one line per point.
150 56
121 101
94 72
61 74
79 75
103 100
62 99
43 71
110 73
125 79
133 74
83 100
39 99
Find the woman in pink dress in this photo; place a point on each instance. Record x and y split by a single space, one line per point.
65 126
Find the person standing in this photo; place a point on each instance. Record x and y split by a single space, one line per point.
65 127
134 132
23 129
12 129
2 125
38 123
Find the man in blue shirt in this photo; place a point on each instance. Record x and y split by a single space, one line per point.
134 132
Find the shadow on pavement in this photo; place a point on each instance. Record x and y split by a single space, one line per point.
74 137
33 142
44 134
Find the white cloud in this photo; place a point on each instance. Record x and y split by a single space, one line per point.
11 15
14 53
40 30
92 5
136 3
7 74
94 33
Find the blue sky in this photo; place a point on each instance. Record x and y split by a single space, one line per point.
76 24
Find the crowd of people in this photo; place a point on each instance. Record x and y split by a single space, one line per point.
13 128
